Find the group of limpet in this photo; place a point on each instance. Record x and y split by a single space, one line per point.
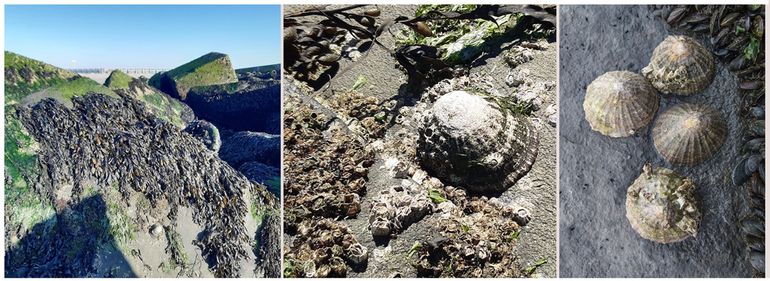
661 204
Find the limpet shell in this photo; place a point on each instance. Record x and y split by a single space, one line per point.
688 134
619 103
661 206
680 65
466 140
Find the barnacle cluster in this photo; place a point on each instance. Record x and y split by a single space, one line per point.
368 116
323 248
398 207
475 245
326 174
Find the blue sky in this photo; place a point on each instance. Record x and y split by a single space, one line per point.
161 36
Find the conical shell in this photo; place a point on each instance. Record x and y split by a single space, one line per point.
466 140
661 206
680 65
689 133
619 103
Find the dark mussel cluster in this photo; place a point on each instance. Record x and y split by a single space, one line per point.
117 142
313 48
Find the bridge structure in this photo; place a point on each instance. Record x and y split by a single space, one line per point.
130 71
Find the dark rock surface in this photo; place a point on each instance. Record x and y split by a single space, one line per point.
104 142
252 104
206 132
264 174
596 239
242 147
45 254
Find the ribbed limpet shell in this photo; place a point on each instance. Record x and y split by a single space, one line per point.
680 65
689 133
619 103
661 206
466 140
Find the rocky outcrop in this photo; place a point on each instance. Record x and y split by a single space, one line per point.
118 80
106 142
244 147
265 72
210 69
206 132
252 104
268 175
99 176
159 103
24 75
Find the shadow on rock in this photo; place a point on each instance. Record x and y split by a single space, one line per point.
76 242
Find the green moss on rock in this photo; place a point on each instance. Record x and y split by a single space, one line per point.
210 69
24 76
22 205
118 80
65 91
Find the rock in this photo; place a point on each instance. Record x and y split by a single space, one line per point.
116 145
517 77
162 105
594 171
210 69
21 71
551 112
205 132
251 104
518 55
118 80
244 147
156 230
267 175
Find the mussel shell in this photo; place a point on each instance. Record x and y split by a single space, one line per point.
739 173
619 103
680 65
687 133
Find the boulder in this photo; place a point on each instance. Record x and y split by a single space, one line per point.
159 103
210 69
253 104
205 132
118 80
267 175
245 146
